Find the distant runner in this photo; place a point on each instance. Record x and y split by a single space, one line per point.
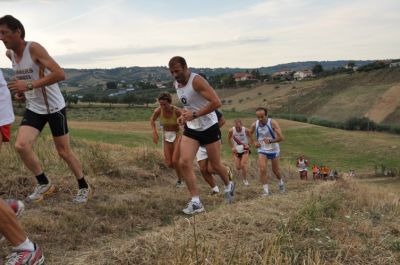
302 165
36 76
200 128
168 115
268 135
238 139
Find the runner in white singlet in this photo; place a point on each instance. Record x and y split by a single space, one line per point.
200 128
36 76
268 135
238 139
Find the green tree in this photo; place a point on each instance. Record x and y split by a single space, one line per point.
317 69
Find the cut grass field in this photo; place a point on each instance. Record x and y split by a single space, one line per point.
339 149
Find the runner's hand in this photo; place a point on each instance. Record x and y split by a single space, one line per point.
187 115
19 97
17 86
234 150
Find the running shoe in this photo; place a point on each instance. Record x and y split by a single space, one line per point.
193 207
214 193
25 257
266 194
40 192
281 188
230 174
246 182
17 206
229 194
83 195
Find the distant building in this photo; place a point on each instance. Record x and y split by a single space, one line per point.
243 76
304 74
283 75
395 64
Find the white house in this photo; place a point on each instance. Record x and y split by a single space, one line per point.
304 74
243 77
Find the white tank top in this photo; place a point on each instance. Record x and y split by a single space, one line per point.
194 101
302 164
241 136
43 100
263 132
6 110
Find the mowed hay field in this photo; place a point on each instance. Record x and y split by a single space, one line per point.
135 216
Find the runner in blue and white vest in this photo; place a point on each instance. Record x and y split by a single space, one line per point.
268 135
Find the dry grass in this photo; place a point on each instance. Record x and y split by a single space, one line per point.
135 216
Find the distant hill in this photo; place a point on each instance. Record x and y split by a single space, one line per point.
375 95
95 77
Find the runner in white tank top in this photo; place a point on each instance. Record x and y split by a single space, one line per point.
201 128
268 135
36 80
238 139
45 100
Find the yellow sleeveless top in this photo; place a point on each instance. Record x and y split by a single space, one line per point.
171 121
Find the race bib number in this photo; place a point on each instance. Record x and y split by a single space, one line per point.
194 124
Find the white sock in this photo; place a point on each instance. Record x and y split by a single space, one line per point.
266 188
26 245
281 181
215 189
196 199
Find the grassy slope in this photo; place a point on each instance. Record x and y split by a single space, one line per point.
135 216
334 98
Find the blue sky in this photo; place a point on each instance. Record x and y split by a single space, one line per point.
219 33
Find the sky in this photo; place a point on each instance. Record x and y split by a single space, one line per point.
208 33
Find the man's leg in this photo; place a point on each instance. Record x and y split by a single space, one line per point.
188 149
26 137
175 158
64 150
277 173
24 251
244 166
203 165
9 227
214 158
262 164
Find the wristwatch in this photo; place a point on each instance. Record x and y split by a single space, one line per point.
29 85
194 114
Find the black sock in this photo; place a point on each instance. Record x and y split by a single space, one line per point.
42 179
82 183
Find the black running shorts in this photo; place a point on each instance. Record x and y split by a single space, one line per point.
57 121
208 136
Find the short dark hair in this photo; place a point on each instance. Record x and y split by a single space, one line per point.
13 24
264 109
177 59
165 96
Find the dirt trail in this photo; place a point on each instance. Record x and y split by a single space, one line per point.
385 105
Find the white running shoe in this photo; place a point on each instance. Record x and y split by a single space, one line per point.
193 207
83 195
281 188
246 182
229 195
40 192
266 194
